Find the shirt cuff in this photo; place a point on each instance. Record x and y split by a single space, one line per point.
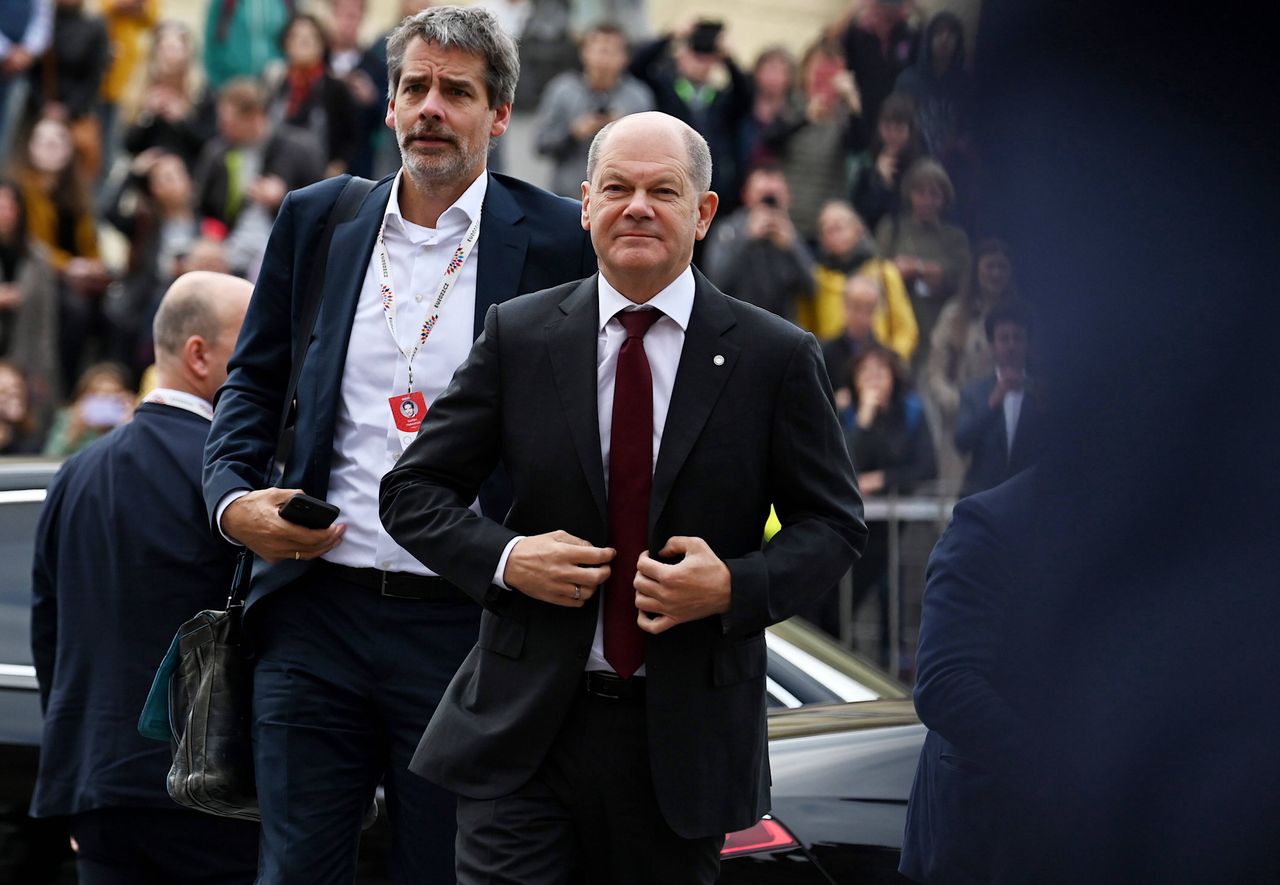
502 561
227 500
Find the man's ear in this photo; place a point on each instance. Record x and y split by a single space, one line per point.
195 356
501 120
586 205
707 204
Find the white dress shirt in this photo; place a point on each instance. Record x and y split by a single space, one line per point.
662 346
366 443
180 399
1012 411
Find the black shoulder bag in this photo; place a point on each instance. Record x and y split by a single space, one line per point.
210 691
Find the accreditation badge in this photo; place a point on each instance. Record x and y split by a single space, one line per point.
408 410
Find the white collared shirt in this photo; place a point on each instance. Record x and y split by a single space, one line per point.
366 443
180 399
663 344
1012 412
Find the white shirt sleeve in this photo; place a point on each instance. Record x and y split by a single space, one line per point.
226 502
502 561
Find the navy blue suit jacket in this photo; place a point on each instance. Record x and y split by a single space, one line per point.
120 562
529 240
980 434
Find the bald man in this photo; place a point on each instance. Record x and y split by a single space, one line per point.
611 720
123 557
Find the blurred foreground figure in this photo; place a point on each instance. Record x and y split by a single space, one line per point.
1097 652
123 556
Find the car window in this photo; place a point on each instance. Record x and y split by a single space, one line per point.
17 541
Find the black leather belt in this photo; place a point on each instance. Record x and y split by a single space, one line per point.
602 684
398 585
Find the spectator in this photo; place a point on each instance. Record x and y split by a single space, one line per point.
129 23
1000 420
932 255
577 105
876 174
864 300
241 37
243 174
755 253
66 84
892 451
814 145
682 87
773 79
845 251
630 15
19 429
58 217
348 60
25 30
101 401
154 209
940 87
310 97
28 305
959 352
178 112
879 39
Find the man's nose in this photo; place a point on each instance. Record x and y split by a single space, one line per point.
640 205
432 106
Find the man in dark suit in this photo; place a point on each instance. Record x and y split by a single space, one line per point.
356 640
120 563
647 422
1000 417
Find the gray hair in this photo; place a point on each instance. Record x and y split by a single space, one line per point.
694 143
468 28
184 312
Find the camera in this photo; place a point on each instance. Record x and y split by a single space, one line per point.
705 36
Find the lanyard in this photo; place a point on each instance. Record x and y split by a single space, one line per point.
450 276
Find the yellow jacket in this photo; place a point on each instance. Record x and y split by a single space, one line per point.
894 323
127 29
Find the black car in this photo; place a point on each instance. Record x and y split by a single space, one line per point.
841 771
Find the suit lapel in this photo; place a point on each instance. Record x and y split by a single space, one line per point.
571 342
344 278
699 381
503 243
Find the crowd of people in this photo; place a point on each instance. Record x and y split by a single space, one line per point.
848 178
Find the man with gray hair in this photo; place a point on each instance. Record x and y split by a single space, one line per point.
123 557
355 639
610 722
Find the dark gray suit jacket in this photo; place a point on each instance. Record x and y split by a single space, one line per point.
756 430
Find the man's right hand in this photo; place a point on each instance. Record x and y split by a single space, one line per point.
255 521
557 568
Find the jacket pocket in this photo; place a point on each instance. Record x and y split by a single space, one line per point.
740 661
501 635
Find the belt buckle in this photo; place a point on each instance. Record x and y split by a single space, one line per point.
388 593
607 688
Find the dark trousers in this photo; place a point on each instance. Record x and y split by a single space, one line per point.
161 846
345 682
588 816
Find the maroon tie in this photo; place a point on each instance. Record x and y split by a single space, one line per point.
630 480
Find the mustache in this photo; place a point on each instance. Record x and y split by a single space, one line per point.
430 132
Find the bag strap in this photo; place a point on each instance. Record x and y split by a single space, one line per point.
344 208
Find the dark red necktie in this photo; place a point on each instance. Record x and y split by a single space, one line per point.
630 481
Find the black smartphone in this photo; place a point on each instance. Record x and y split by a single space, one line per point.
309 512
705 36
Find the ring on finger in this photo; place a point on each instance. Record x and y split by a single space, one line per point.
297 554
577 592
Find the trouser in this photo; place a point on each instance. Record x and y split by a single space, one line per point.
345 682
589 815
163 846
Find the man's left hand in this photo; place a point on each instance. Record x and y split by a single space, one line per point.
696 587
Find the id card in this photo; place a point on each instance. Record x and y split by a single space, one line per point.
408 410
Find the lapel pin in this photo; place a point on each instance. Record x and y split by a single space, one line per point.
718 360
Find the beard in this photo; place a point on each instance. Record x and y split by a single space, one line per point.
441 165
